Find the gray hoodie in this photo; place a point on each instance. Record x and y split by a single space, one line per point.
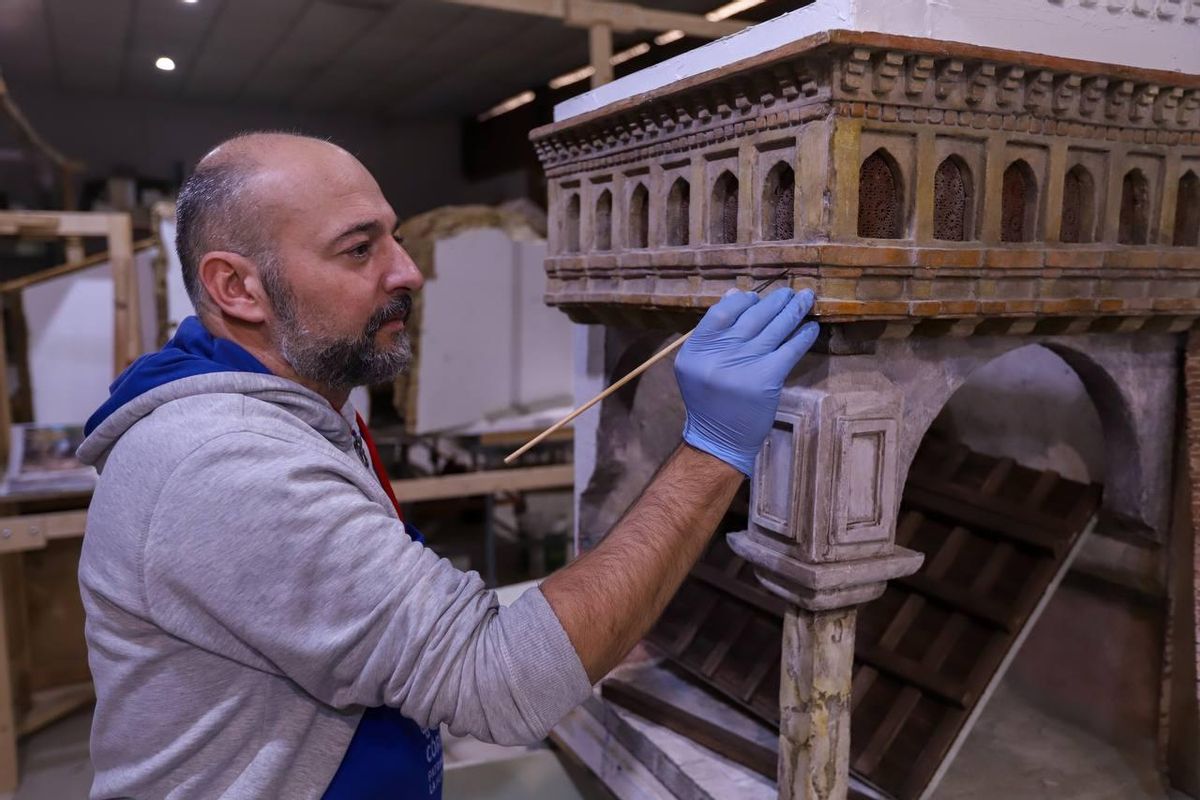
249 590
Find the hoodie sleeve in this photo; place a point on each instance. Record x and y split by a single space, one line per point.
261 552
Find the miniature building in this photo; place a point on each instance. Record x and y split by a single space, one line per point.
950 198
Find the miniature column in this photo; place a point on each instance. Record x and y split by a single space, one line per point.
823 505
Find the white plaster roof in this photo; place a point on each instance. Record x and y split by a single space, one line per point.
1152 34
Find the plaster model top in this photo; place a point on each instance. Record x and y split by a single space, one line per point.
928 186
1152 34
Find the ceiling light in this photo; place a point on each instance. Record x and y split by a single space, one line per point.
191 2
729 9
515 101
165 64
668 37
574 76
633 52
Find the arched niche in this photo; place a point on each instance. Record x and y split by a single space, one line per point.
571 224
1079 206
952 206
880 198
1018 203
723 210
679 201
1132 385
1134 225
602 224
639 217
1187 211
989 412
779 203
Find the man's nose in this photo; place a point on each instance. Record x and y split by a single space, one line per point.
402 272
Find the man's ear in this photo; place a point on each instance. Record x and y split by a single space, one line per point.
232 283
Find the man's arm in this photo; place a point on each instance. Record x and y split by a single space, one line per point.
608 599
730 374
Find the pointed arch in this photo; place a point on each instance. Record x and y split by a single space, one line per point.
1134 224
571 224
723 210
639 217
1079 206
952 196
880 198
779 203
602 223
1018 203
679 203
1187 211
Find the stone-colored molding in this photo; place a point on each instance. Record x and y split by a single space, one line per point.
821 586
1182 11
844 69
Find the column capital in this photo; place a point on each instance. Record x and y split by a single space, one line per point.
824 499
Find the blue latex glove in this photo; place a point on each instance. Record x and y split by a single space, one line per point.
731 371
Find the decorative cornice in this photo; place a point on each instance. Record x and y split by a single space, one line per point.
1181 11
1013 91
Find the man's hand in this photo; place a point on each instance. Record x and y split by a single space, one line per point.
731 371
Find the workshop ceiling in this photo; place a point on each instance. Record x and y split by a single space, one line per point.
399 58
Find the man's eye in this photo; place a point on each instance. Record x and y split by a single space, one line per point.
360 251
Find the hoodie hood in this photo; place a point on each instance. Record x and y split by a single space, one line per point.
191 351
196 362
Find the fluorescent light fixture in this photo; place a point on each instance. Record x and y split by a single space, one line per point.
668 37
729 9
633 52
165 64
515 101
574 76
191 2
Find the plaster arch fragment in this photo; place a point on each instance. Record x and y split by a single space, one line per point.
1132 382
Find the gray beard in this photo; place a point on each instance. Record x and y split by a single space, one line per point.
339 364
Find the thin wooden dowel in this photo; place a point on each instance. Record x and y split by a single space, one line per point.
650 362
654 359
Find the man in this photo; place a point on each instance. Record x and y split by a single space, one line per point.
260 622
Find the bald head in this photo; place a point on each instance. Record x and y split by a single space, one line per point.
240 192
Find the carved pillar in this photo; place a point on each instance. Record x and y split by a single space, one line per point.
823 506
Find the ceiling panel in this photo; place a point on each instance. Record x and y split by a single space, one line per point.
545 49
315 40
173 29
379 53
477 36
25 50
436 26
243 35
88 40
396 58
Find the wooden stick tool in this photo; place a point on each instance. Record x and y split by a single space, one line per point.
645 365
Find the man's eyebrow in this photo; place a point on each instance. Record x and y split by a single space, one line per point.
370 227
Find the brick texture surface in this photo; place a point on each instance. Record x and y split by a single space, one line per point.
1191 374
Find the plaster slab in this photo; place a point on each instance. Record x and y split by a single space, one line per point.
1126 32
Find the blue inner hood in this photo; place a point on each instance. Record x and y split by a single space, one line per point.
191 351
